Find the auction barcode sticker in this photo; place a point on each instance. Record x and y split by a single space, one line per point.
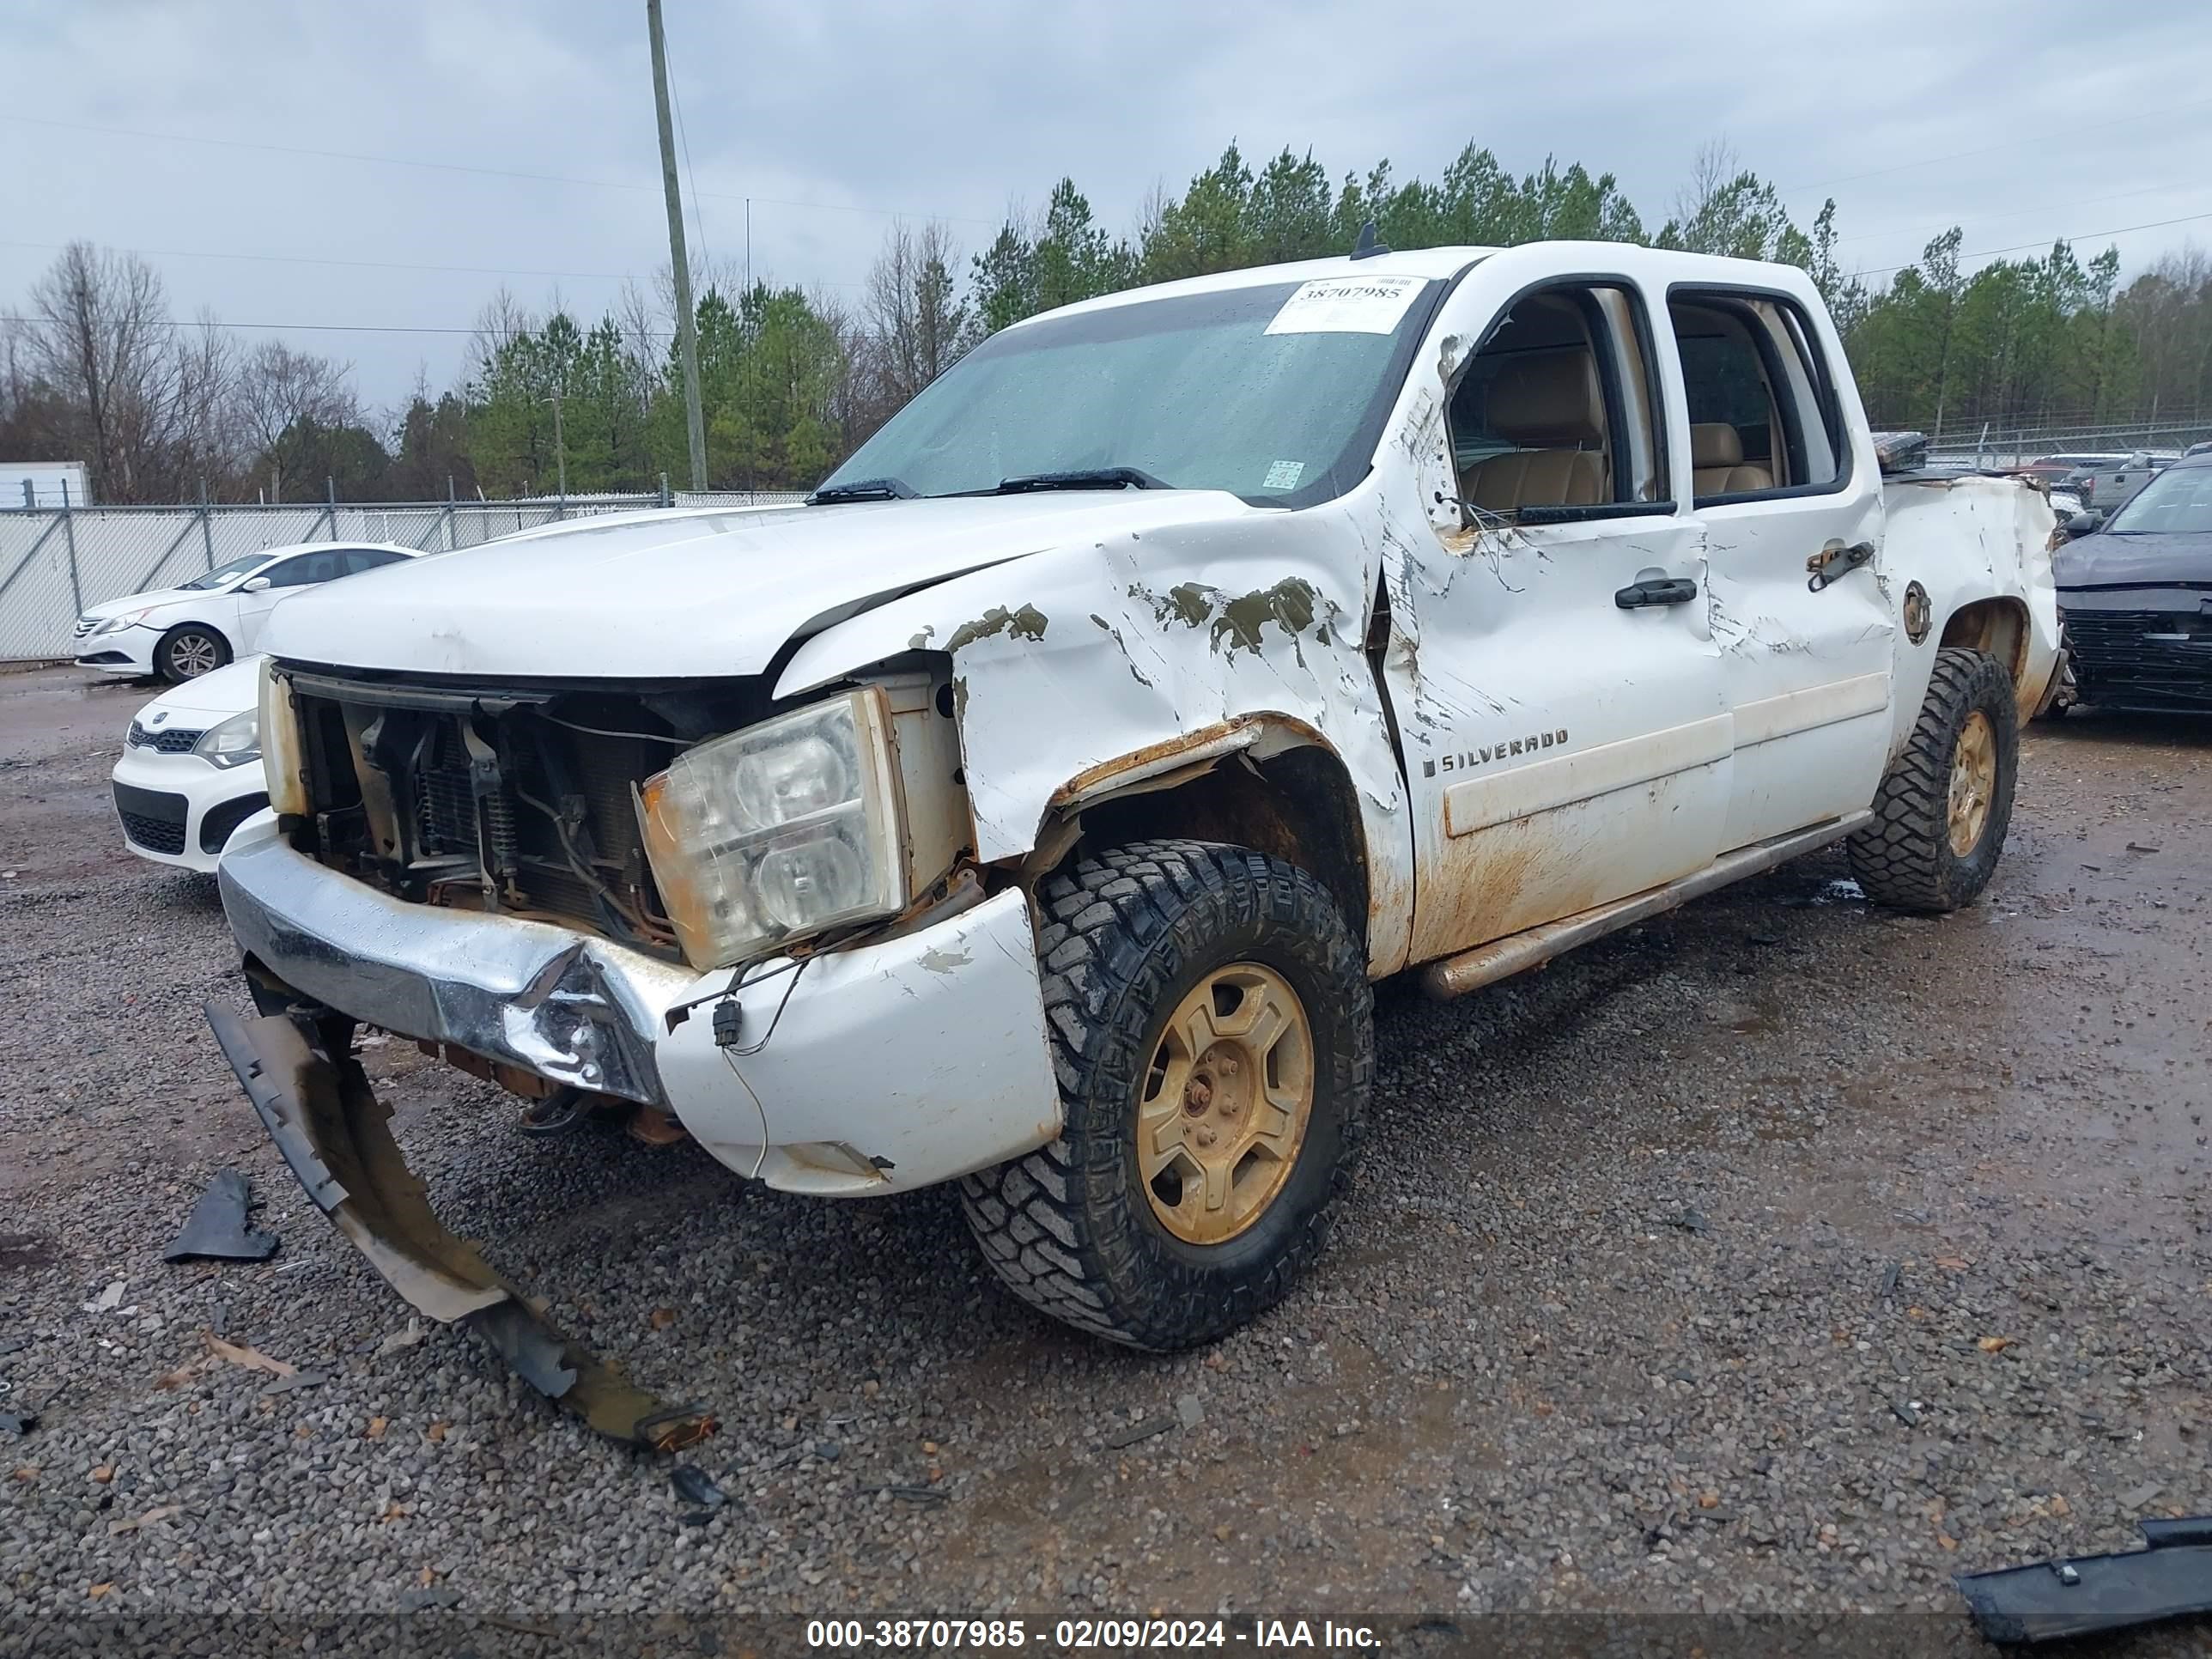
1347 305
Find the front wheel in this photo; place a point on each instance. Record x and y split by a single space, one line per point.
1944 806
1212 1033
188 651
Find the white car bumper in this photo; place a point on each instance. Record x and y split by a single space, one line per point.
131 651
178 809
871 1069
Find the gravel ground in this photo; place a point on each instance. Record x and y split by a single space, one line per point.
1781 1256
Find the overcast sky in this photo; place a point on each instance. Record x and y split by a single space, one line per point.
2018 120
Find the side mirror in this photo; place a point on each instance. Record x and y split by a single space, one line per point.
2082 523
254 585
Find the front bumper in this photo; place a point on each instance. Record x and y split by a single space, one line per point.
2128 654
131 651
873 1070
179 809
336 1136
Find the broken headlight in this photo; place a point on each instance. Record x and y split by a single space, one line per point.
784 830
283 756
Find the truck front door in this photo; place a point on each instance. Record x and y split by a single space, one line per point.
1556 688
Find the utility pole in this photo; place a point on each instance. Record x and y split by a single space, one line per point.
687 333
560 449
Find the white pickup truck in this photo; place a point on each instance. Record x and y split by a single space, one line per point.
1033 807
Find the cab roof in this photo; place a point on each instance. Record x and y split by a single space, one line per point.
1432 263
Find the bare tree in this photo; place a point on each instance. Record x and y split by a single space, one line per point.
916 320
500 320
1715 168
276 388
644 329
99 335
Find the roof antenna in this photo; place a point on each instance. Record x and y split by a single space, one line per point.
1367 248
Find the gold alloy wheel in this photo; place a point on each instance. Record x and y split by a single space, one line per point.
1973 783
1226 1104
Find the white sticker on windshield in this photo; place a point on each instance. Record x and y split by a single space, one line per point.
1285 474
1347 305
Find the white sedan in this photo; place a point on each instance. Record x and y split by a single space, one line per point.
182 632
191 771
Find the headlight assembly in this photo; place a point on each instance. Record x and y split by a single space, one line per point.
128 619
282 760
233 742
784 830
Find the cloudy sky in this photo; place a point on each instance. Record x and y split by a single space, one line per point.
378 169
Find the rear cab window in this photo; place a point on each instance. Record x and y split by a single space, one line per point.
1763 418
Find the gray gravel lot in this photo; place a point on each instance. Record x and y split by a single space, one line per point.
1779 1256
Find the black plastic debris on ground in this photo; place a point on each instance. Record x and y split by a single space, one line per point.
2170 1579
217 1230
696 1488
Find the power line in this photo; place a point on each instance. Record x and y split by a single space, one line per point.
1993 218
683 138
353 265
301 328
2012 149
458 167
2084 236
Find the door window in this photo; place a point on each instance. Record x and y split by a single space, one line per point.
1762 413
305 568
1555 412
358 559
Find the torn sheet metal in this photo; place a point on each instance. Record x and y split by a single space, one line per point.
217 1231
1145 637
2171 1578
1967 539
336 1135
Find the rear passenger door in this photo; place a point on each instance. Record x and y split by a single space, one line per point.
1778 479
1557 689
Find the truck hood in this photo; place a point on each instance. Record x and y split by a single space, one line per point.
2106 559
705 596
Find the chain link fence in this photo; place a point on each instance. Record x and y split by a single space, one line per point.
1988 443
53 564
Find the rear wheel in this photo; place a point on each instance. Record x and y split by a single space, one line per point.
1944 807
188 651
1211 1030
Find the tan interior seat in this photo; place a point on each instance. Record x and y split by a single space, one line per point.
1548 404
1717 463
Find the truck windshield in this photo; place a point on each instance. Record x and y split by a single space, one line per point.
1274 393
2176 501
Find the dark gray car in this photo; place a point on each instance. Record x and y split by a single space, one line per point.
2136 597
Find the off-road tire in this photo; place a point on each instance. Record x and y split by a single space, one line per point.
1904 859
1123 938
167 655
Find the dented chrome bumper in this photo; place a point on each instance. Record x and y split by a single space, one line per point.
557 1004
871 1070
863 1070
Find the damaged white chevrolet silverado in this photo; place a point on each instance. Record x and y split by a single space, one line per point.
1033 807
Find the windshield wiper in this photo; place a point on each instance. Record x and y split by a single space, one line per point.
1089 477
863 490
